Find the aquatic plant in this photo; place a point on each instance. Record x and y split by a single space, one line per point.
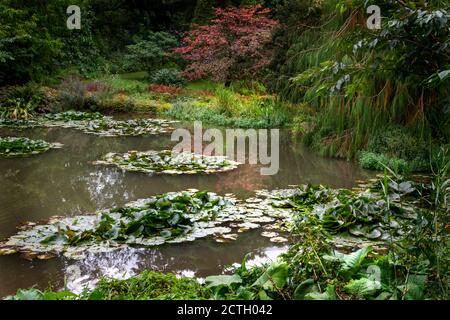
72 115
358 213
169 162
21 147
18 123
134 127
95 123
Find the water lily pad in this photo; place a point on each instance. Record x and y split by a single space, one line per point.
21 147
269 234
96 123
172 217
6 251
374 234
247 226
168 162
279 240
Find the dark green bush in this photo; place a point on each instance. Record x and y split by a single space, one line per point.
168 77
396 141
31 92
396 148
149 53
376 161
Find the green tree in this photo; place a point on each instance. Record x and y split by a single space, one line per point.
27 50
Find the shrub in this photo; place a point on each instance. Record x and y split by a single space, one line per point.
71 94
27 50
168 77
189 110
395 141
374 161
248 88
20 102
28 92
149 53
16 109
150 285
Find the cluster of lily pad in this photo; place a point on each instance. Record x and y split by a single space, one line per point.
168 162
352 218
74 116
95 123
172 217
21 146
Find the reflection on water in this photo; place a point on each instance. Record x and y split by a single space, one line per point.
119 264
189 260
65 182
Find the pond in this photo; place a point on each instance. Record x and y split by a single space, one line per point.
65 182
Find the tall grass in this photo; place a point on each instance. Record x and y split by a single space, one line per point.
346 119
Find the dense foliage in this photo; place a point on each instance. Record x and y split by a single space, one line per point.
357 82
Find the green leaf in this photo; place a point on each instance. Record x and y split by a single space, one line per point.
274 277
263 295
304 288
354 260
329 294
27 294
444 74
362 287
222 280
62 295
414 288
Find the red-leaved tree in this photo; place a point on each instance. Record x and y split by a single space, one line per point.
235 44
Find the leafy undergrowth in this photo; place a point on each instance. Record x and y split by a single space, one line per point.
210 102
169 162
95 123
148 285
21 147
410 262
